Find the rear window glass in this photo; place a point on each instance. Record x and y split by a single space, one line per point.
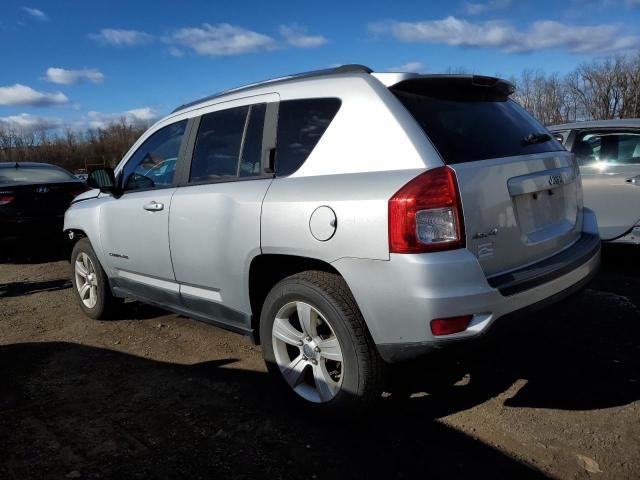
301 124
464 128
218 145
229 144
28 175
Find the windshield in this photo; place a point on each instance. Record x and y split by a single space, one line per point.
464 128
30 175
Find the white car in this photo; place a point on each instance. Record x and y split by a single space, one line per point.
608 152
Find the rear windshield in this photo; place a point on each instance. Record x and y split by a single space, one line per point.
29 175
465 129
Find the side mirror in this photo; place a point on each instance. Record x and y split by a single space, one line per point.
102 178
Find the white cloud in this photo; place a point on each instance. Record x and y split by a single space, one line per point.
70 77
121 38
296 36
219 40
501 35
23 95
407 67
36 13
25 121
175 51
137 116
479 8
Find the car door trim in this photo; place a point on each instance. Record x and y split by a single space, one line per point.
199 292
148 280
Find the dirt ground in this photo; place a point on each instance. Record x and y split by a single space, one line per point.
156 395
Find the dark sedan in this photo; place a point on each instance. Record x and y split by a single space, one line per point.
33 199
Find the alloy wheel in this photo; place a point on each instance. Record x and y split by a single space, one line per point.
308 352
86 280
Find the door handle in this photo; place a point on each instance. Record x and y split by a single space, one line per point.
154 206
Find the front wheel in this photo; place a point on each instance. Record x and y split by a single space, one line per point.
316 344
90 283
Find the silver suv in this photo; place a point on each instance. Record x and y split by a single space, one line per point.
344 219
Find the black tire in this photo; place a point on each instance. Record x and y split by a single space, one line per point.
362 371
106 305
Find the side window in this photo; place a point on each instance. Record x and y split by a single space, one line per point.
301 124
229 144
615 148
153 165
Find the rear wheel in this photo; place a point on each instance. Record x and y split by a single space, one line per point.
91 284
316 344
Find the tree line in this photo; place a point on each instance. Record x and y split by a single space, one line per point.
602 89
75 150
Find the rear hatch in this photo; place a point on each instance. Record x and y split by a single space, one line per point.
520 189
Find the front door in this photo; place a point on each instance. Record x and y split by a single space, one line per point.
135 226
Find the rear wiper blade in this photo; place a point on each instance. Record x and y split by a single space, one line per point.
536 138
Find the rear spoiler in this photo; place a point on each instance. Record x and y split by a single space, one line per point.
451 83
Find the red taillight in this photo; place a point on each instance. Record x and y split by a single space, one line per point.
426 214
447 326
6 199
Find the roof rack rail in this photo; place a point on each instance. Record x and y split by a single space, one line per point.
349 68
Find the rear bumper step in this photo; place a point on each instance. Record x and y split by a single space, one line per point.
548 269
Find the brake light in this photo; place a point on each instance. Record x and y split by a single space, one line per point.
447 326
6 199
426 214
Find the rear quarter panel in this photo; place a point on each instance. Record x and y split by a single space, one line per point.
370 150
358 200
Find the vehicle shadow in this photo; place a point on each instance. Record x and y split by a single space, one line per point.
17 289
68 407
620 271
134 310
33 251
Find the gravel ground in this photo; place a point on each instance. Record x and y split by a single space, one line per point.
156 395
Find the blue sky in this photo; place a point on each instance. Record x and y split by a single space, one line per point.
82 64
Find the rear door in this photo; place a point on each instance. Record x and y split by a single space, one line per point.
610 164
215 214
519 187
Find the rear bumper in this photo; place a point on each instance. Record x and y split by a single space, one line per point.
549 269
400 297
395 353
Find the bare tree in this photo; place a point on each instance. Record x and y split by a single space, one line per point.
69 148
